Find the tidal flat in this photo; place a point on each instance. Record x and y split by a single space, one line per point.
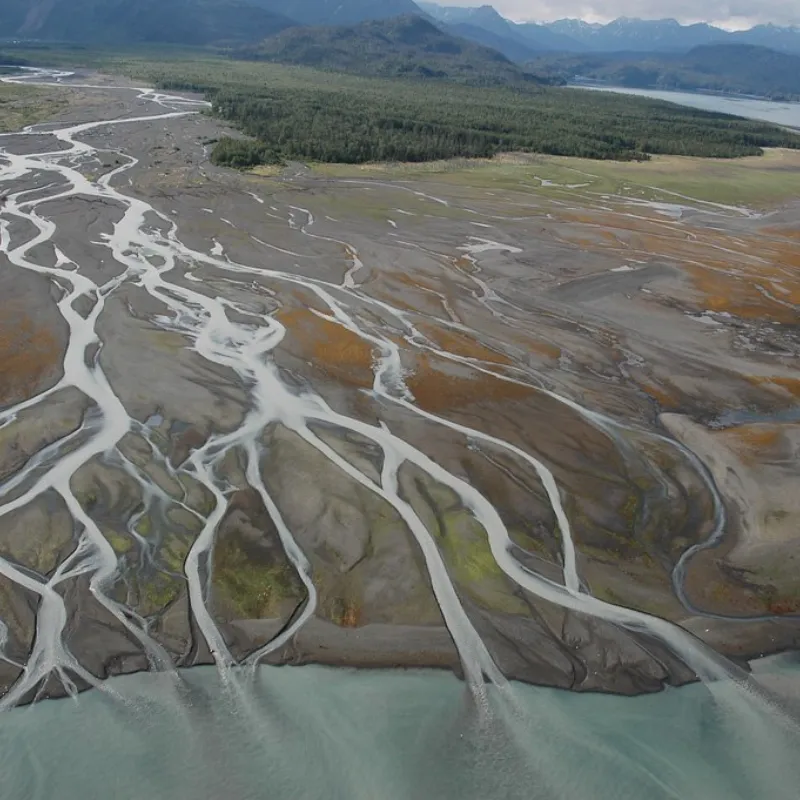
527 419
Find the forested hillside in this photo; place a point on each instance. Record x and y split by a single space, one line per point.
191 22
405 46
339 12
734 68
181 21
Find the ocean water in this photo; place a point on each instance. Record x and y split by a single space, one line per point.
779 113
312 732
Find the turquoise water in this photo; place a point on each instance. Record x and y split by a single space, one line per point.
312 732
779 113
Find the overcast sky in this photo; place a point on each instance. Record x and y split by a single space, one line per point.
728 13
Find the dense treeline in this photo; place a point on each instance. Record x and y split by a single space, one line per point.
356 120
243 153
304 114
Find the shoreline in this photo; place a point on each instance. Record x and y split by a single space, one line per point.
757 667
383 648
777 106
602 85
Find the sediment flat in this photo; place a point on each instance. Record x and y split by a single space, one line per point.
500 417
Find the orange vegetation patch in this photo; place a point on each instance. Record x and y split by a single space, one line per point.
393 300
437 389
540 346
754 276
609 222
413 294
757 436
761 443
738 295
461 344
791 606
351 616
750 276
416 283
666 397
329 346
779 383
544 348
789 233
28 355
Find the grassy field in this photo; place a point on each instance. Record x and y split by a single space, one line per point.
26 105
760 181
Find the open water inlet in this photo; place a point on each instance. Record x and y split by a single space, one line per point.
241 732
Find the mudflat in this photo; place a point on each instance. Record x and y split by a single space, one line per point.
531 418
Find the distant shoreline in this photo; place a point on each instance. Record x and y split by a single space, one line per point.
783 113
610 87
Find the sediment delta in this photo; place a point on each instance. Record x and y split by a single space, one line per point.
493 419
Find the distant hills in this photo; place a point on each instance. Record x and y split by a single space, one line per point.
621 35
338 12
407 46
732 68
485 25
182 21
667 35
403 38
223 21
189 22
638 35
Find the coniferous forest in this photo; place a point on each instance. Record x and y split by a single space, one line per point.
360 121
298 113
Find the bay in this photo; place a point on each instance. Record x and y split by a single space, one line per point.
779 113
313 732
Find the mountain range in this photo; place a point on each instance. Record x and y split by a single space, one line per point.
622 35
406 46
190 22
221 21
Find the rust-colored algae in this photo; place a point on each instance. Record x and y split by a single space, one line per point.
413 282
757 436
461 344
789 233
760 443
351 616
436 389
780 607
782 384
753 276
665 397
332 348
543 348
737 295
